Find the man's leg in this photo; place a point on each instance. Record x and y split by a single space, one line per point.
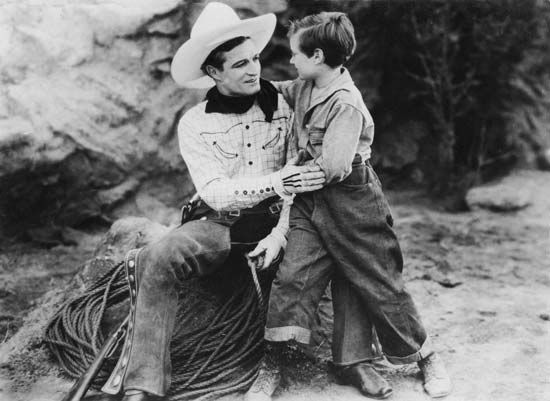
193 249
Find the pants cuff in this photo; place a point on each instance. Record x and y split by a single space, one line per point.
424 351
287 333
354 362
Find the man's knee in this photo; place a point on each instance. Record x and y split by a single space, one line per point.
162 251
181 250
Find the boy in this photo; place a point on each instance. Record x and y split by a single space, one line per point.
343 231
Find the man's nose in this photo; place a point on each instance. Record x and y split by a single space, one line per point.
253 69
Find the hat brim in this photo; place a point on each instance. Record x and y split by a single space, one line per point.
186 64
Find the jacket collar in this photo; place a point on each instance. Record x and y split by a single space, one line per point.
343 82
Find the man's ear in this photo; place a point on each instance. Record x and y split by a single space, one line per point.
318 56
213 72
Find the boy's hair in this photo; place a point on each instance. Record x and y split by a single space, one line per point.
332 32
216 58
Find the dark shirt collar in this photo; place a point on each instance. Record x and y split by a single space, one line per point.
267 99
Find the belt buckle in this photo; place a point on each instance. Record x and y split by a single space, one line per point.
274 208
234 213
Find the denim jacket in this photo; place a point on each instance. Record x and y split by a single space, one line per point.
332 127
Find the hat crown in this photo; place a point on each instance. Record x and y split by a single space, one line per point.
214 16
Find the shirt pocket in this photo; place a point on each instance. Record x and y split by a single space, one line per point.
274 144
276 133
225 146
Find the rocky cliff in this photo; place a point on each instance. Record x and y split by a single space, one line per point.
88 109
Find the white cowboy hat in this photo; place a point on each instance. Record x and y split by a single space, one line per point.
215 25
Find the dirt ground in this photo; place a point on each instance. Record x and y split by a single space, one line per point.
481 281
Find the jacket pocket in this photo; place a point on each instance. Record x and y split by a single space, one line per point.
316 136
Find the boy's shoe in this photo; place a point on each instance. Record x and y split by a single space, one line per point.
266 383
437 382
367 380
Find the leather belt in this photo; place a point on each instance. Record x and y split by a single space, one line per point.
272 209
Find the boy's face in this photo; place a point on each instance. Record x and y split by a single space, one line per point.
240 73
307 67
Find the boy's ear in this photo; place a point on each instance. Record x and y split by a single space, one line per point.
318 56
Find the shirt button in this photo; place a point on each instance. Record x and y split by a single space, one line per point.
247 127
249 144
268 189
236 192
252 192
250 163
261 191
245 192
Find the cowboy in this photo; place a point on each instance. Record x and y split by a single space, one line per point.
235 148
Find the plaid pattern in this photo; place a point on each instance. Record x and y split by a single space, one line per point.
234 159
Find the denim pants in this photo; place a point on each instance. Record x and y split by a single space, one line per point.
344 232
196 248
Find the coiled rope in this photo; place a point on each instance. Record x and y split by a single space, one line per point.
218 358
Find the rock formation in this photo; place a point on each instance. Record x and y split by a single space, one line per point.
88 110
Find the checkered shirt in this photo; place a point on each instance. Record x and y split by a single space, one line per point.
234 159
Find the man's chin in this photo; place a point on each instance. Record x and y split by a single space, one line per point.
246 90
254 88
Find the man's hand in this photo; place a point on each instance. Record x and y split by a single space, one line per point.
297 178
265 252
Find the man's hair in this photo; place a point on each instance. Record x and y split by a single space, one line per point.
216 58
332 32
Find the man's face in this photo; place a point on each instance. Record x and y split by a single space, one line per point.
306 66
240 74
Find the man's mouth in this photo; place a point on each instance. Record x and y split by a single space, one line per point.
251 81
